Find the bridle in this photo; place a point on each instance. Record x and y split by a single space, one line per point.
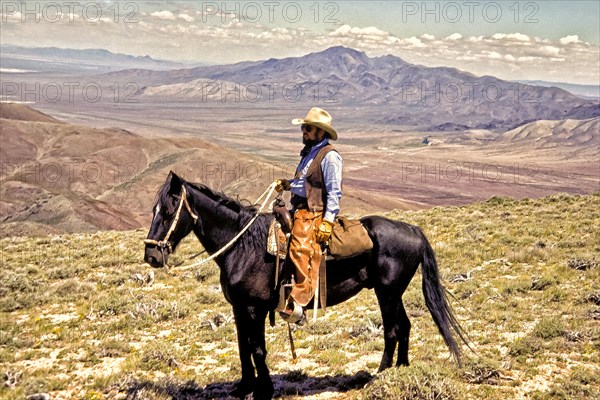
165 244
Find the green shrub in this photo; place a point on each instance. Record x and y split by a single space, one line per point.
417 382
549 328
525 346
499 200
543 282
208 298
161 356
113 303
204 274
113 348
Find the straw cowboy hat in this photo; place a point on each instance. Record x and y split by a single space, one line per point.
319 118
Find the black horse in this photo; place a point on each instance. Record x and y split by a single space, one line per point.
248 272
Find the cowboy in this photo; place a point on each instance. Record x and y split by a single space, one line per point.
316 192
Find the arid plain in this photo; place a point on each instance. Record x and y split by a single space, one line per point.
390 163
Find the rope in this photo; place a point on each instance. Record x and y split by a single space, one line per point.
189 258
292 345
268 194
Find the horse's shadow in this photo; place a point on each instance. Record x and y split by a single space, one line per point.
293 383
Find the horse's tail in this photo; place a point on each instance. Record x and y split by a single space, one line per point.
437 302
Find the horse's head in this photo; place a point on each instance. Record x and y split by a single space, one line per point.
172 221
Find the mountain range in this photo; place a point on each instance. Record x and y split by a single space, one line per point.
54 59
374 90
387 89
591 92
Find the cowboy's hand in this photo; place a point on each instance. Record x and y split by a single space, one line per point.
282 184
324 231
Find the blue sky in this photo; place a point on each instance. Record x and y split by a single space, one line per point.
549 40
548 19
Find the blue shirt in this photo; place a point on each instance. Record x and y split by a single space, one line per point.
332 175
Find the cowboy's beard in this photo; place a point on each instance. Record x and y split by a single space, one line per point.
307 141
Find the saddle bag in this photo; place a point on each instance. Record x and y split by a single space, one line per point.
349 238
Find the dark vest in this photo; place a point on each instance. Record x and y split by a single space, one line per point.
316 195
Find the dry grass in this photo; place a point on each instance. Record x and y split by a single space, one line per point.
76 320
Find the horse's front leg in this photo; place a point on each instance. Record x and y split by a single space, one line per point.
247 384
264 388
250 323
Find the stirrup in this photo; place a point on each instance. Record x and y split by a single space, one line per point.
295 316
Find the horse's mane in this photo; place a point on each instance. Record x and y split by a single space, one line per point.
223 200
255 237
163 195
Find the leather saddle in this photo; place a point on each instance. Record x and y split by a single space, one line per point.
282 215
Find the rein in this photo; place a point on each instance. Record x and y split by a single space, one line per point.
164 244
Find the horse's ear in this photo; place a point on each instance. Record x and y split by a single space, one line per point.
175 182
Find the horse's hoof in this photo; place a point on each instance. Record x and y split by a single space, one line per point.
264 394
264 388
242 390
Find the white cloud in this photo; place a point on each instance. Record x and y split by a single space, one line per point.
186 17
427 36
233 24
454 36
468 57
493 55
529 59
414 42
475 39
347 30
519 37
365 38
570 39
165 14
549 51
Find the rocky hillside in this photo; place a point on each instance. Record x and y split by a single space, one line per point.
60 177
570 132
20 112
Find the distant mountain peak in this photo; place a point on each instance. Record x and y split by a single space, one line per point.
343 53
342 49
